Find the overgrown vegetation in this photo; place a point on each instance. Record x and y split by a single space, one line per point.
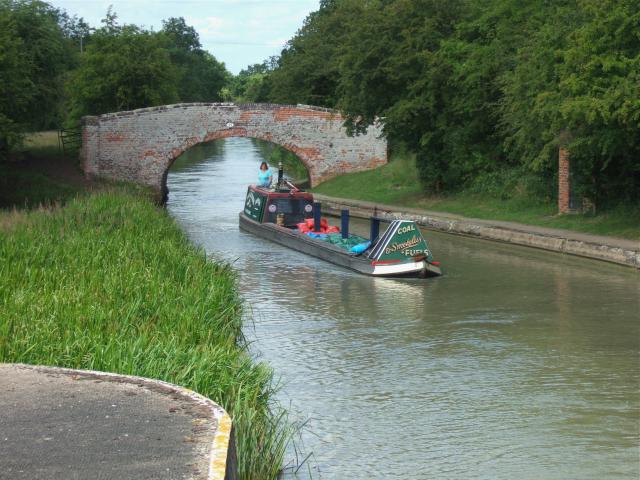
96 276
478 88
55 68
110 283
40 174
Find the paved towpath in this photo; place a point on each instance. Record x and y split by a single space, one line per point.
66 424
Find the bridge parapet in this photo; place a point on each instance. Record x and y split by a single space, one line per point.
140 145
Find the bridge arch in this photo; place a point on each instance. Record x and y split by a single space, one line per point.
141 145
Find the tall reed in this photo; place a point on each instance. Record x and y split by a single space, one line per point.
110 283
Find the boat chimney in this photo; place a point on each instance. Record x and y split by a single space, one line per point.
280 175
375 229
344 223
317 216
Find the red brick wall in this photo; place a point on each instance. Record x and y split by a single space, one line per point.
564 187
140 146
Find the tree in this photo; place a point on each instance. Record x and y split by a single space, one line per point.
34 57
16 86
76 30
42 45
123 68
252 84
182 36
577 84
201 76
308 68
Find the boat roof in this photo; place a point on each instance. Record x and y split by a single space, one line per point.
272 193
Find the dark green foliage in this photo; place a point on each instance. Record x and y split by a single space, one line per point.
44 49
116 67
589 102
15 84
123 68
308 67
201 76
34 55
251 85
479 88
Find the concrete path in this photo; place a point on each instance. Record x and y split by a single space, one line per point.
71 424
610 249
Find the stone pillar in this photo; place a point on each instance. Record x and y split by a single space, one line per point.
564 185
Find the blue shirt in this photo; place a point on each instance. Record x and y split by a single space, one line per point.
264 178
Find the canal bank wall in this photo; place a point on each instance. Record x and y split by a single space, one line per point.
608 249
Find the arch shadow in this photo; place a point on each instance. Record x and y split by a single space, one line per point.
221 135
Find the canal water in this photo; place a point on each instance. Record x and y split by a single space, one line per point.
516 364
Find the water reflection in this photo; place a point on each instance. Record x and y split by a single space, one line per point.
516 364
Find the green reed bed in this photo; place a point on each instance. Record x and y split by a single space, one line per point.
109 282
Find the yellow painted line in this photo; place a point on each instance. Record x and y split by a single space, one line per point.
220 447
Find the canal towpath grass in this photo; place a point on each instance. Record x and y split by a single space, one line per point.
397 184
99 277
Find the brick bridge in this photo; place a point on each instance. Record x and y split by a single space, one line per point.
140 145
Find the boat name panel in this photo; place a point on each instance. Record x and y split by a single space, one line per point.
254 205
401 241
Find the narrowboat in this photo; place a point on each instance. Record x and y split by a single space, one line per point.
287 215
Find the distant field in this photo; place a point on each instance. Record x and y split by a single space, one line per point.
37 140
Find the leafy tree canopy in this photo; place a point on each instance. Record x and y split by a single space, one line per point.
200 76
123 68
479 88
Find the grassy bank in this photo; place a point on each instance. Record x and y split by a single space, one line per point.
397 184
109 282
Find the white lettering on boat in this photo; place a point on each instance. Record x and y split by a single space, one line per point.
408 228
412 242
411 253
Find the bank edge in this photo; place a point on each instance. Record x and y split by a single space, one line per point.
608 249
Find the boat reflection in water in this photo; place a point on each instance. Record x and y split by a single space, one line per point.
335 294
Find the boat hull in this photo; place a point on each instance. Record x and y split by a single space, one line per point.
330 253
